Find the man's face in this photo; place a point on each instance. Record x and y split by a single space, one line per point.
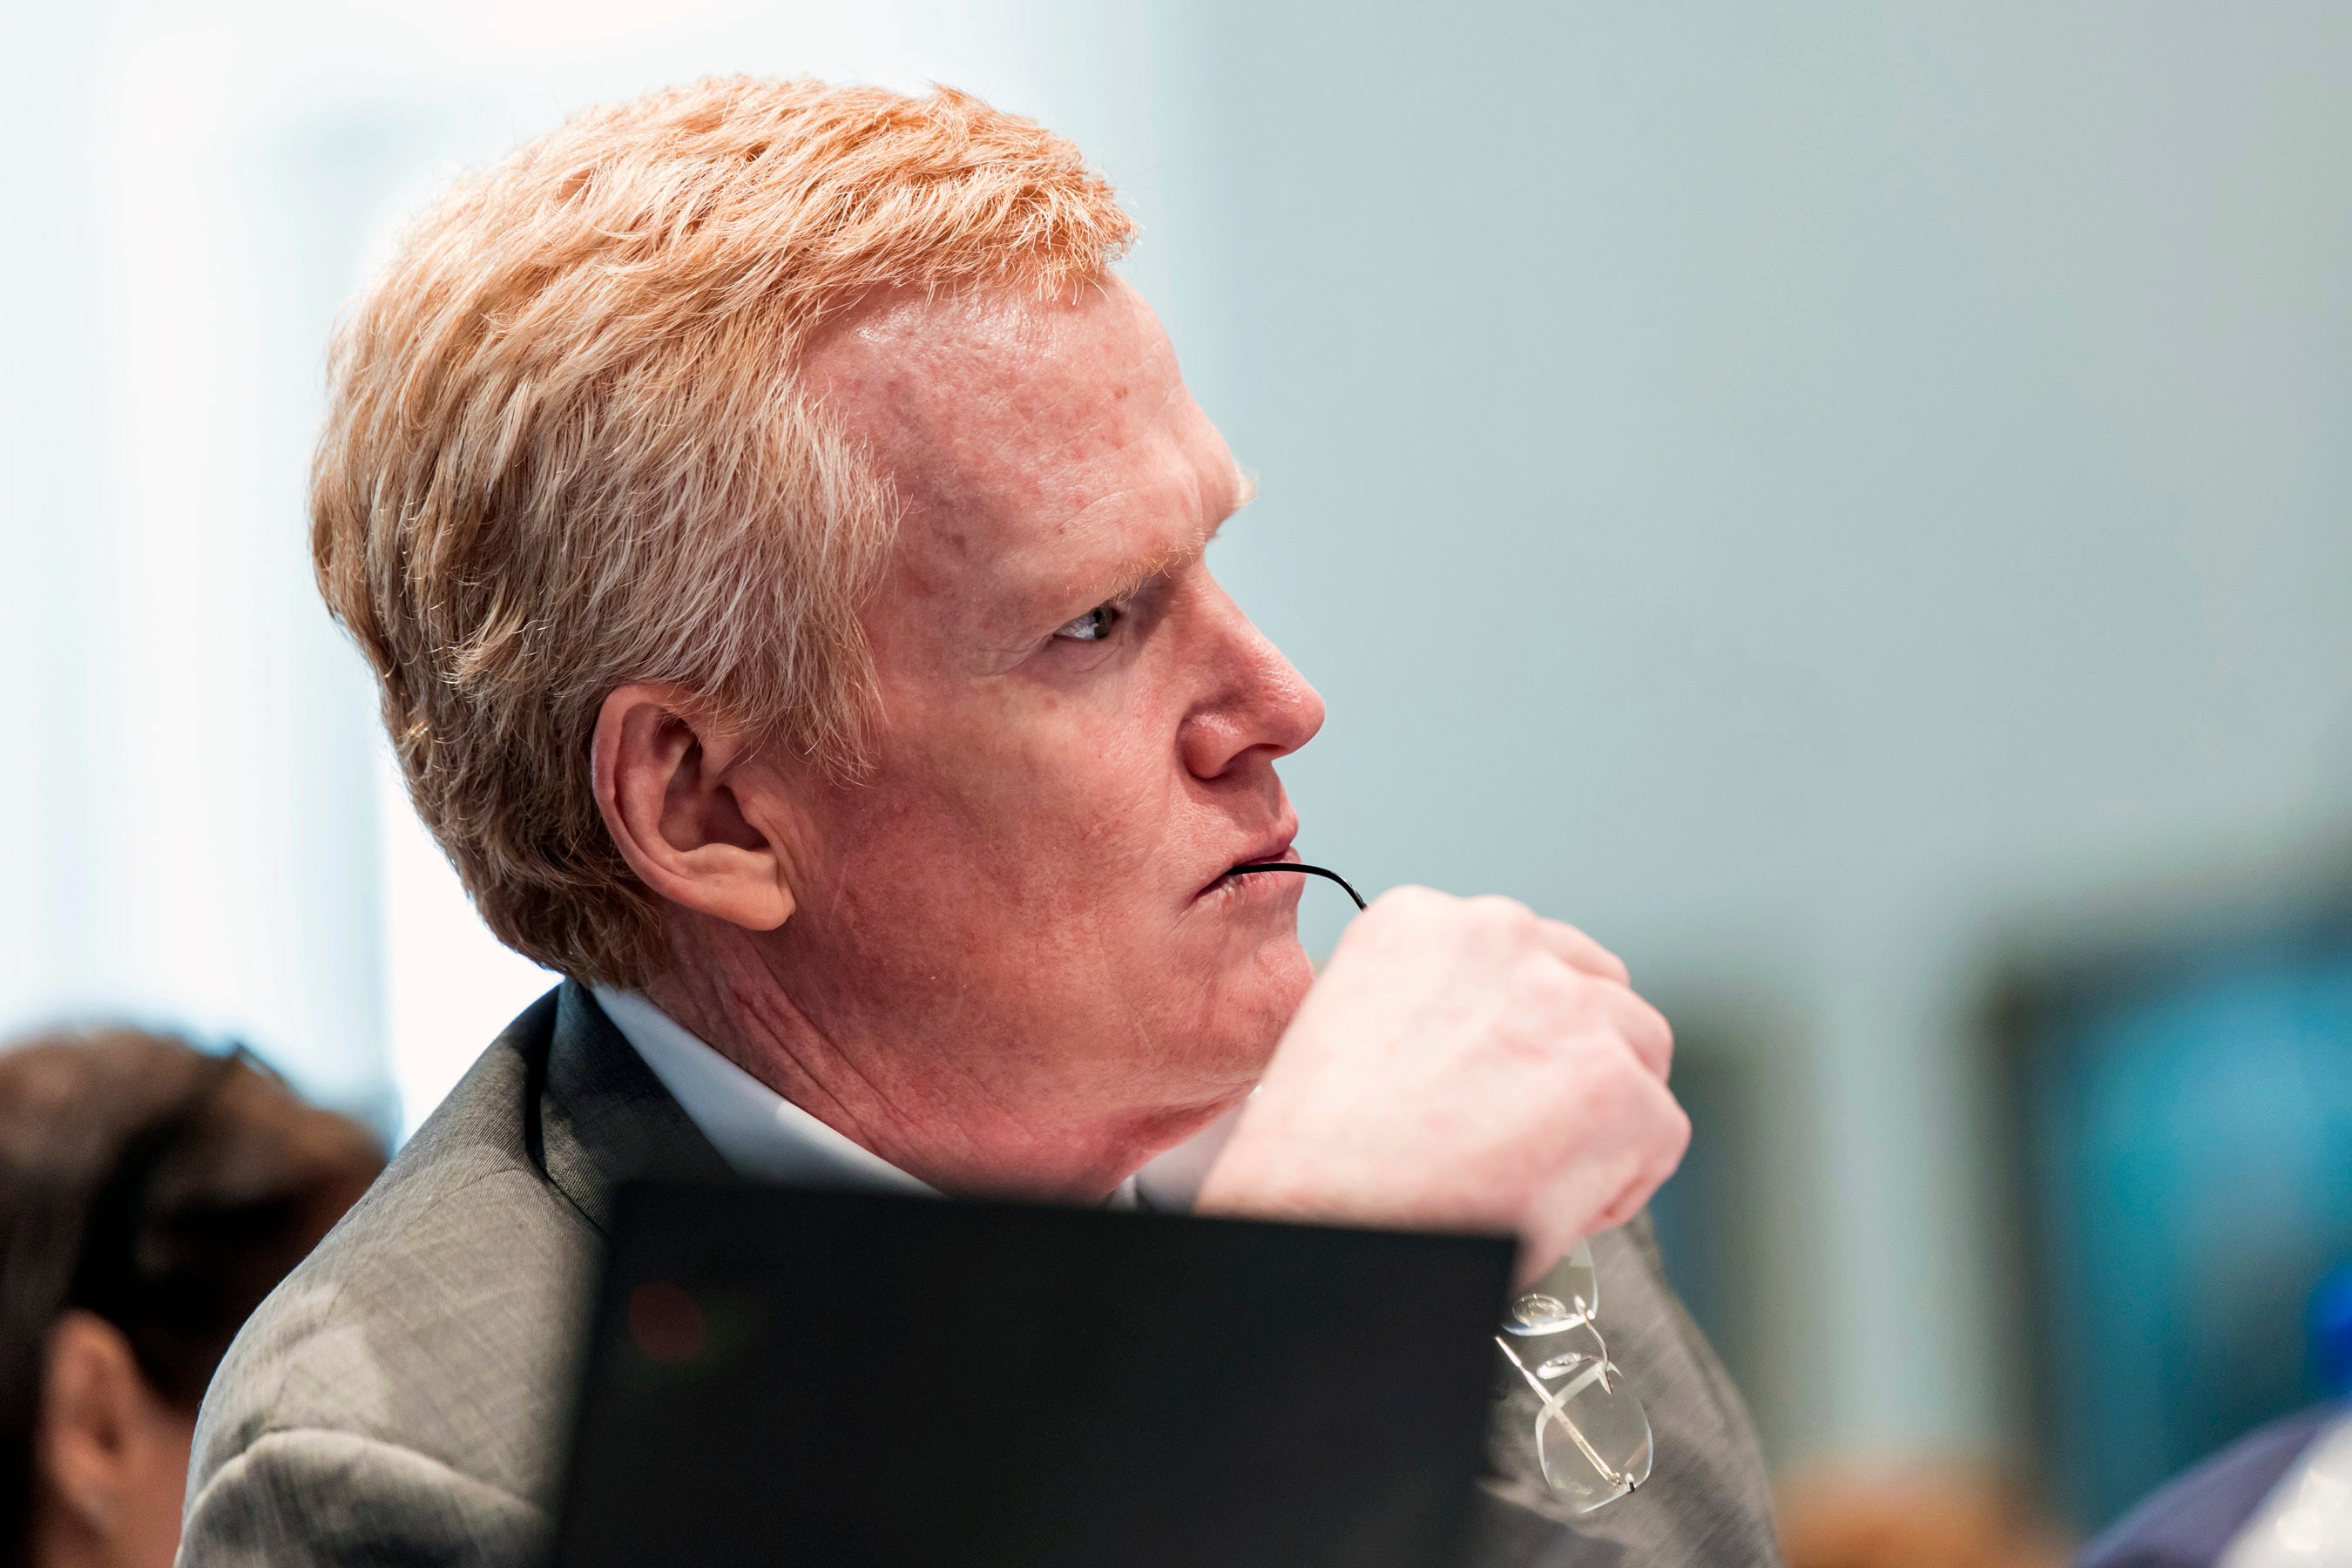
1025 901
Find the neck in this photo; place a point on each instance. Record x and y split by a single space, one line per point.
61 1538
966 1127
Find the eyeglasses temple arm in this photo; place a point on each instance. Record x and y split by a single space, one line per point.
1305 871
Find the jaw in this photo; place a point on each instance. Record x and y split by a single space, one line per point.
1057 1088
1238 1024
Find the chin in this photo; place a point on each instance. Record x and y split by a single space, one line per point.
1258 1005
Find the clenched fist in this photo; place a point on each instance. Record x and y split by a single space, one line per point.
1462 1063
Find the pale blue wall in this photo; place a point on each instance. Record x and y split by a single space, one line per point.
1793 487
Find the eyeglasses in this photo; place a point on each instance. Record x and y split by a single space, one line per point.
1592 1436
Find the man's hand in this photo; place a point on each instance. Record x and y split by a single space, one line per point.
1461 1065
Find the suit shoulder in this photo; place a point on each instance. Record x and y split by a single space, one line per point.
438 1315
305 1496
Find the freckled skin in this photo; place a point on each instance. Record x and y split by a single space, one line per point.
1004 961
999 971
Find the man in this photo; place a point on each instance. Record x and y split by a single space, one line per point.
779 537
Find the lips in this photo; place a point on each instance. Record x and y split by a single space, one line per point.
1271 851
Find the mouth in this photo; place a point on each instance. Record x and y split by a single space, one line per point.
1272 851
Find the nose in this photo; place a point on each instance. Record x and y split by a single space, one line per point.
1258 705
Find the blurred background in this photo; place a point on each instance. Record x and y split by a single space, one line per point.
1852 504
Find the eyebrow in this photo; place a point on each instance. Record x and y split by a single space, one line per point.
1138 573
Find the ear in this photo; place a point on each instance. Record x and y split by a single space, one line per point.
700 820
112 1461
92 1402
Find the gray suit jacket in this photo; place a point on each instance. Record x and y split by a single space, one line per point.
402 1397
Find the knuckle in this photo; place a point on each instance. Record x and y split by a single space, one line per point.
1644 1024
1603 956
1407 902
1543 979
1400 910
1496 910
1585 1006
1680 1127
1617 1073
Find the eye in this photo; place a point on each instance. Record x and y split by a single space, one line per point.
1093 625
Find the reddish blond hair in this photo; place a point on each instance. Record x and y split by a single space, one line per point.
565 450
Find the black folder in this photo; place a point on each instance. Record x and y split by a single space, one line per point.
785 1376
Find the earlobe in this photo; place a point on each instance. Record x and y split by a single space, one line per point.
699 818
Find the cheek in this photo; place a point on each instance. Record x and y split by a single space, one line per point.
1044 791
1002 873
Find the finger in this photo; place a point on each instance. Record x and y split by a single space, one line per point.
1579 951
1666 1156
1652 1037
1641 1026
1627 1204
1600 1188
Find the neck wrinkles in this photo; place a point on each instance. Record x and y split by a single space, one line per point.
935 1118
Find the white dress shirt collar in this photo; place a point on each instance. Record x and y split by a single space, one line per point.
755 1130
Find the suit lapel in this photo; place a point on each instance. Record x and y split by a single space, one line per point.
604 1119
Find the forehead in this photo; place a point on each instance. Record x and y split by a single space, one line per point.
1035 444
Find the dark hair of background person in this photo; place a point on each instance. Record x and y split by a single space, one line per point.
164 1189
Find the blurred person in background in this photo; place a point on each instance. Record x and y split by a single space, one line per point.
779 538
151 1195
2279 1497
1927 1515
